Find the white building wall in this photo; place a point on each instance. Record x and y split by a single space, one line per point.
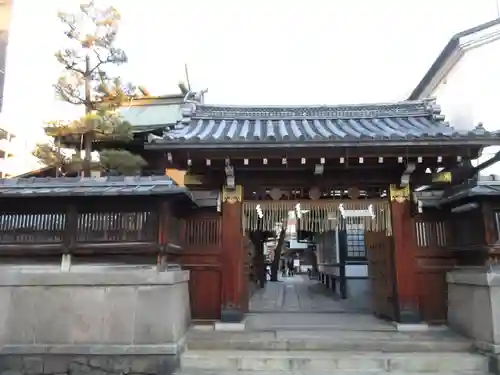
454 99
31 70
470 93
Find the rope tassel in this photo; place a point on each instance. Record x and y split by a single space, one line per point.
316 216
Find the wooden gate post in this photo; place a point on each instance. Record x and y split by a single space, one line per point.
405 259
233 257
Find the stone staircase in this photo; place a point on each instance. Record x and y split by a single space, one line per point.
330 352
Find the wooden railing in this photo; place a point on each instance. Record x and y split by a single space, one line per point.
32 227
70 231
202 232
431 234
39 228
117 226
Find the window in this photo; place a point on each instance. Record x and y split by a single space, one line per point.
355 234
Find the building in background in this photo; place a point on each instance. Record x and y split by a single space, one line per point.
5 136
5 18
465 80
15 155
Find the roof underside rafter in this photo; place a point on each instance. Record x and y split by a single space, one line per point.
405 124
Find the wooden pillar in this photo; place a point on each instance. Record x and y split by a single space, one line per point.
69 236
163 235
234 300
405 259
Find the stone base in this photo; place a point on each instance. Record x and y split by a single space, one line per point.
474 305
487 347
221 326
421 327
203 327
409 316
63 364
231 315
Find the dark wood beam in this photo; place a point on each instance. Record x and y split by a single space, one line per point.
328 152
332 178
298 164
80 248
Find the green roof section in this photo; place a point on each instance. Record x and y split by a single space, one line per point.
148 114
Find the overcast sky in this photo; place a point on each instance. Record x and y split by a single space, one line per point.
251 52
294 51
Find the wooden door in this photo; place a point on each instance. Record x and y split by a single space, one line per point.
200 238
379 252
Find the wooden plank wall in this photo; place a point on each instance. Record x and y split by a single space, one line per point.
89 225
200 253
433 262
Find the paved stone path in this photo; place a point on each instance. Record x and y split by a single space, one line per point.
299 294
313 325
297 303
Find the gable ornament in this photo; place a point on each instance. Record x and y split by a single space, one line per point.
232 195
399 194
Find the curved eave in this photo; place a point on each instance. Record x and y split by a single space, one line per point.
410 142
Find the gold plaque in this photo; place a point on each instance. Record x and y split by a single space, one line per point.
442 177
232 195
399 194
193 179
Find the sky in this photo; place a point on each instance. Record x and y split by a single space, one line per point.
248 52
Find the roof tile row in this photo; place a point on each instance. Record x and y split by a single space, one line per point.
420 120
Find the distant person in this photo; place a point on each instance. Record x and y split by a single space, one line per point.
296 265
283 268
290 267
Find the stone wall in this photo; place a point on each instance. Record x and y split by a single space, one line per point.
93 320
51 364
474 305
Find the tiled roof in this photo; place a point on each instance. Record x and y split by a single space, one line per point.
481 186
100 186
232 125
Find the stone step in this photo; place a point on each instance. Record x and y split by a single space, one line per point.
231 372
311 362
329 341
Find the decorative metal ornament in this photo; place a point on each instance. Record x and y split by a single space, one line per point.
314 193
232 196
353 193
399 194
275 194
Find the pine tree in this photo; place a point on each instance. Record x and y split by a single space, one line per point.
85 82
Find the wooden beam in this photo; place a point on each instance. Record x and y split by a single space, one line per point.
234 300
23 249
330 178
326 152
198 166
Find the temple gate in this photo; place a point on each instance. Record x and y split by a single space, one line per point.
270 160
250 166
